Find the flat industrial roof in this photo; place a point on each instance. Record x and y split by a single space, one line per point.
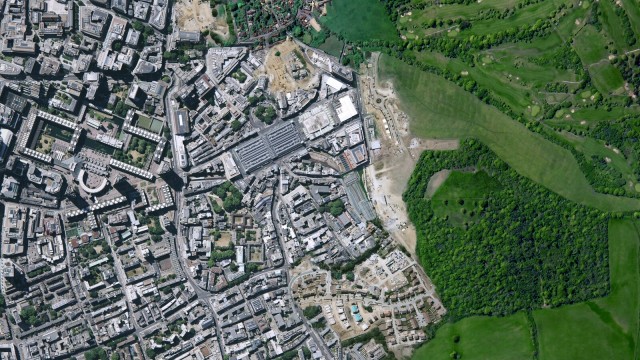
347 109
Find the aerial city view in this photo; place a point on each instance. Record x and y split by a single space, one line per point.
319 179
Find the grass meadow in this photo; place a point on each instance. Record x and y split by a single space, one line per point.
440 109
607 79
332 46
589 44
481 338
613 25
360 20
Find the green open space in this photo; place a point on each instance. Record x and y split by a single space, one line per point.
456 197
508 258
515 73
440 109
597 114
605 328
612 25
481 337
332 46
359 20
527 15
589 45
455 11
571 21
148 123
594 148
138 152
98 146
57 131
607 78
633 12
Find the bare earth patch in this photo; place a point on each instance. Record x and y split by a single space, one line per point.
276 69
435 144
314 24
385 186
195 15
436 180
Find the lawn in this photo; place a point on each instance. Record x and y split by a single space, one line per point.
440 109
633 12
455 11
606 78
579 331
359 20
150 124
589 45
45 143
481 338
591 147
508 70
613 25
598 114
57 131
98 146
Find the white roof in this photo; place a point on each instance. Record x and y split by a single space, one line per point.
347 109
334 83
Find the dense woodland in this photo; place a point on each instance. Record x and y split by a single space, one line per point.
526 247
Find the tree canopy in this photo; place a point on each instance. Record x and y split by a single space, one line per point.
517 247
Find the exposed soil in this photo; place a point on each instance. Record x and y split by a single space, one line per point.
436 180
280 80
195 15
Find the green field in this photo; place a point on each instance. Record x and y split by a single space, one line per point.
526 16
589 45
481 338
591 147
606 78
633 12
455 11
441 109
509 71
462 185
332 46
605 328
613 25
359 20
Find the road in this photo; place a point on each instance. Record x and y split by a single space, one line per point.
286 267
178 246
